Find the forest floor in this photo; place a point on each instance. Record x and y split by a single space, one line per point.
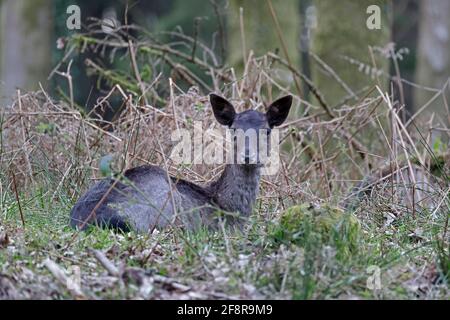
302 242
45 259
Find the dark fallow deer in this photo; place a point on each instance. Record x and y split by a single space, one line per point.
149 198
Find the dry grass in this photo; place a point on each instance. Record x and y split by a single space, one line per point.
360 158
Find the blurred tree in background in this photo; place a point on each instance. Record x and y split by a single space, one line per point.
342 39
433 56
326 40
404 36
259 32
25 44
187 16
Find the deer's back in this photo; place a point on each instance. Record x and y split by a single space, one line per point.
144 200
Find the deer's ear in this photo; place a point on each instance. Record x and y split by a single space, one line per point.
223 109
278 111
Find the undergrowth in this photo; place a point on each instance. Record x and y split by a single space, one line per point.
358 210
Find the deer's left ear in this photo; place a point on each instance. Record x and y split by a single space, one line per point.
223 109
278 111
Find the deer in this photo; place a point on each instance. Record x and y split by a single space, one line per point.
148 198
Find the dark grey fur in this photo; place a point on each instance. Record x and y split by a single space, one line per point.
147 198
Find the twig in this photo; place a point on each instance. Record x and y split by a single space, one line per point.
242 29
426 105
17 198
136 71
172 103
68 76
186 74
106 263
60 275
445 196
308 82
333 74
222 35
66 56
24 136
194 46
398 81
283 45
114 271
156 48
171 282
402 127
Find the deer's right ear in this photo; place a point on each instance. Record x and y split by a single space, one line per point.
223 109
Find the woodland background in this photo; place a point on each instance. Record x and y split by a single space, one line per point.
359 209
417 31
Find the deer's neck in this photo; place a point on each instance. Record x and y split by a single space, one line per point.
237 188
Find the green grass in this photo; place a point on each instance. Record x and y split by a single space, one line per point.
302 253
297 245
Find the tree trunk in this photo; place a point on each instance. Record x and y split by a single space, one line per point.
342 35
259 29
25 45
433 57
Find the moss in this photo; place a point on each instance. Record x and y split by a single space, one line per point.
325 225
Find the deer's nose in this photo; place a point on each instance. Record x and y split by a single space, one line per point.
249 157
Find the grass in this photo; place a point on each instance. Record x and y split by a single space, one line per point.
299 257
358 210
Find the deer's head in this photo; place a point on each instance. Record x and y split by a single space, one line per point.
250 129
